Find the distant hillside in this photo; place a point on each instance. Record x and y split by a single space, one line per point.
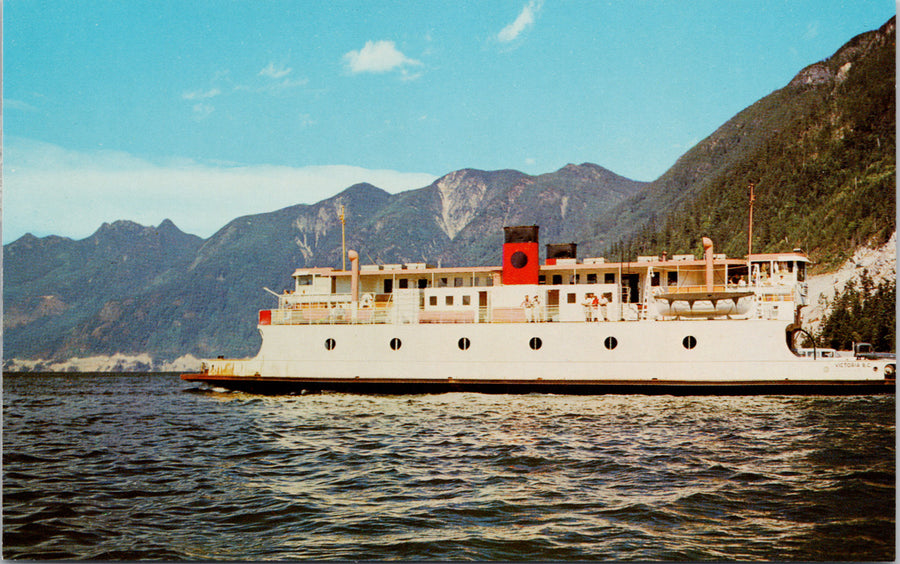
133 289
820 152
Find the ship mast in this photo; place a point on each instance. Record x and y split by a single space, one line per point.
343 241
750 236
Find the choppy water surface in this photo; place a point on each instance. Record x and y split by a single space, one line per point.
142 466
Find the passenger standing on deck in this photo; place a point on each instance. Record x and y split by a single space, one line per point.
538 312
595 303
587 307
529 309
603 303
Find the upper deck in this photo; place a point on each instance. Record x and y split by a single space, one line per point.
562 290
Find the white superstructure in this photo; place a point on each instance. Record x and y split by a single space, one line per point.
656 325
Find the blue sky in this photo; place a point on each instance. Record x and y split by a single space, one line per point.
204 111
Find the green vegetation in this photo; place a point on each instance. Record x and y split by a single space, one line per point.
861 313
822 159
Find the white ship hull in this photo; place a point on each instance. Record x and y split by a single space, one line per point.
729 356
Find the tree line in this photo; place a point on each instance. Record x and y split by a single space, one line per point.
862 312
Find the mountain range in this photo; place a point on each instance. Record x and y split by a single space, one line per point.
135 289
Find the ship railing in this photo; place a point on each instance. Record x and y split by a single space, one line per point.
388 313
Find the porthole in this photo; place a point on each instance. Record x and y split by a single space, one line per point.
689 342
329 344
395 344
518 259
610 343
464 344
535 343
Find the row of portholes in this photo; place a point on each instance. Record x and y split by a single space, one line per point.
535 343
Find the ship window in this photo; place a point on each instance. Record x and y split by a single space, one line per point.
610 343
423 283
464 344
304 280
592 278
654 279
570 298
672 278
403 283
329 344
467 300
442 283
609 278
395 344
801 271
542 279
557 279
448 300
432 300
689 342
457 282
535 343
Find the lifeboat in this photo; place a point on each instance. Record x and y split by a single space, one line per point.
704 304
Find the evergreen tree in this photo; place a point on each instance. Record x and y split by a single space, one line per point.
861 312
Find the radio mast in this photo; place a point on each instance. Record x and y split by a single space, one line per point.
343 241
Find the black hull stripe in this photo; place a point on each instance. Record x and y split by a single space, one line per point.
402 386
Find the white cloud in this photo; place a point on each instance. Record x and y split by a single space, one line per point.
52 190
11 104
377 56
812 30
272 71
201 94
202 111
522 23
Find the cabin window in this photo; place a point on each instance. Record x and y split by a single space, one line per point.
542 279
423 283
689 342
610 343
467 300
432 300
535 343
654 279
573 279
388 286
464 344
403 283
304 280
570 298
592 278
329 344
672 278
395 344
457 282
448 300
609 278
557 279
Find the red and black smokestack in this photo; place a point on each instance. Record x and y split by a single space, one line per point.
520 255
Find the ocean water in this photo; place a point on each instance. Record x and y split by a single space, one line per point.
130 467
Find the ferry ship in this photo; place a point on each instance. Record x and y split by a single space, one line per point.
659 325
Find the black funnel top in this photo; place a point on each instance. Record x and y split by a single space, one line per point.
521 234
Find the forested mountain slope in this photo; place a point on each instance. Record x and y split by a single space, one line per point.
820 153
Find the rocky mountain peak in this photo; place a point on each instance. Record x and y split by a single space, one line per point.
461 194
